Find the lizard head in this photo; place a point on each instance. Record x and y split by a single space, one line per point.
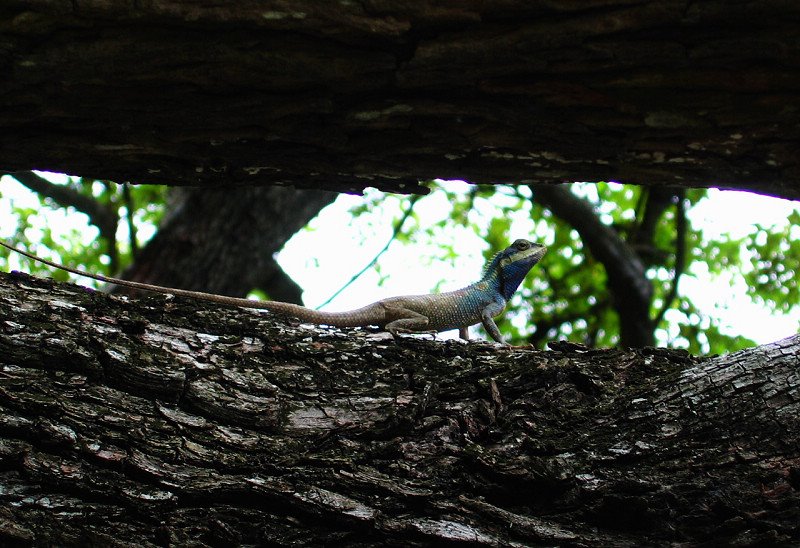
522 252
509 267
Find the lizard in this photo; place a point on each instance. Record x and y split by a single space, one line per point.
477 303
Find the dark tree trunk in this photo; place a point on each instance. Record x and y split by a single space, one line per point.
169 422
630 290
343 95
223 241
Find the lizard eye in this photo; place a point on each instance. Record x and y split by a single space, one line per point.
521 245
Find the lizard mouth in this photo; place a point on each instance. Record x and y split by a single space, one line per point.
532 254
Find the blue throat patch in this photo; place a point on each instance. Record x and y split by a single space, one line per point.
512 276
506 280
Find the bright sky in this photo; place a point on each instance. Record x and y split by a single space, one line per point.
737 213
325 256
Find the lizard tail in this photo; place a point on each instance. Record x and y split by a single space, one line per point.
372 314
222 299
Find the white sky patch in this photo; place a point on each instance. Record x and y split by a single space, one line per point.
324 257
736 214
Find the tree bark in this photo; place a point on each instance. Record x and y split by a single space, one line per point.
346 95
224 241
165 421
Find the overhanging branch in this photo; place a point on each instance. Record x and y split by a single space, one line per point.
345 96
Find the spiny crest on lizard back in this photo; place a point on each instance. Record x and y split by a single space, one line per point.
491 267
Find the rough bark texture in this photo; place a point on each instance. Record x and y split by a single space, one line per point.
166 422
342 95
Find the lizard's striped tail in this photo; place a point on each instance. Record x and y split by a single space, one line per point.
372 314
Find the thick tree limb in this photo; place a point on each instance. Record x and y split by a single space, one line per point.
164 421
347 95
631 291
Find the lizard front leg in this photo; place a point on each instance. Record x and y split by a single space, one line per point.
487 314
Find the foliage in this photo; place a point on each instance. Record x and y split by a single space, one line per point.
775 260
80 244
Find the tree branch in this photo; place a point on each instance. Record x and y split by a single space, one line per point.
632 291
179 422
130 208
389 94
105 219
680 255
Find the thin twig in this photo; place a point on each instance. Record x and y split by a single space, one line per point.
129 207
397 227
680 256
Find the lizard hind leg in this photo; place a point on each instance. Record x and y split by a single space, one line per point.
404 320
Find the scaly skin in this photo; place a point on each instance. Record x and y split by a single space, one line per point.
476 303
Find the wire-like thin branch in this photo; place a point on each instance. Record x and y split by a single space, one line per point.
110 234
129 207
680 256
397 227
